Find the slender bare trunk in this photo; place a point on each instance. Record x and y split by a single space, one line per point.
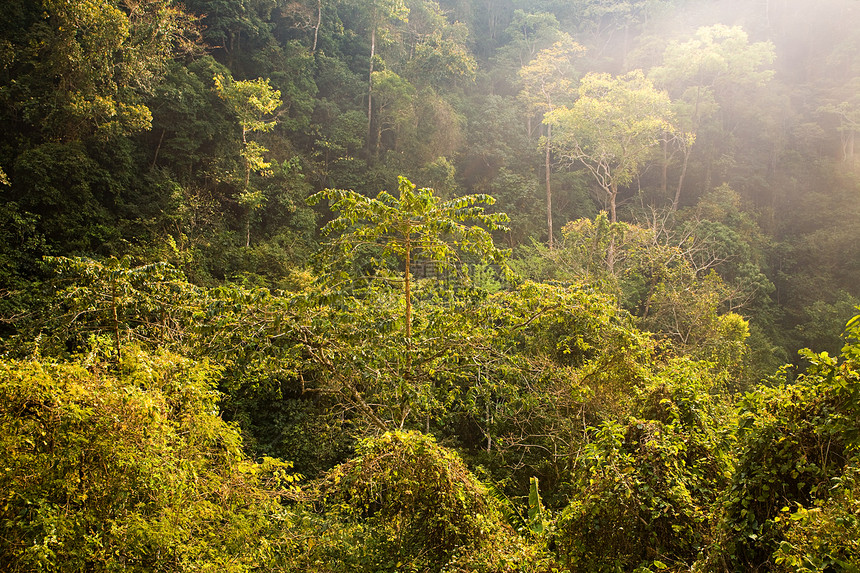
664 176
407 292
613 194
681 177
317 27
851 145
708 176
610 252
115 322
247 163
245 190
377 148
157 149
489 423
370 88
548 187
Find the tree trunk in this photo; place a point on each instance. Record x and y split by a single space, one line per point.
115 322
317 27
370 88
851 146
548 187
610 252
848 145
407 292
664 175
245 190
157 149
613 194
377 148
681 177
491 19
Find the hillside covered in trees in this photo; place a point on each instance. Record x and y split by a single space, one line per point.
415 285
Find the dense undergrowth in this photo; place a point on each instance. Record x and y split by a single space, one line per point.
581 443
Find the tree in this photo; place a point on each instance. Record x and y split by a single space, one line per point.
237 31
82 68
438 53
133 471
702 74
547 82
420 507
379 11
797 442
664 277
415 223
253 102
529 33
847 112
612 129
132 303
600 22
394 104
650 482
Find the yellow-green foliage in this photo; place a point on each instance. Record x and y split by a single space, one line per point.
126 472
418 508
825 537
650 483
797 444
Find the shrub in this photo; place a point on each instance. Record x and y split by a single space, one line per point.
128 472
649 486
419 509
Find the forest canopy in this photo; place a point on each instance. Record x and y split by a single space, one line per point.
417 285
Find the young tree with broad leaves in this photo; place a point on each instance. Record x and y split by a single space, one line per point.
415 224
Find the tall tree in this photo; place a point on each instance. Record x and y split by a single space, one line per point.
844 105
529 33
607 27
394 104
83 68
379 12
438 51
253 102
704 74
612 129
415 224
547 82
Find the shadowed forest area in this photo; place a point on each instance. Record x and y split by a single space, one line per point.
415 285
